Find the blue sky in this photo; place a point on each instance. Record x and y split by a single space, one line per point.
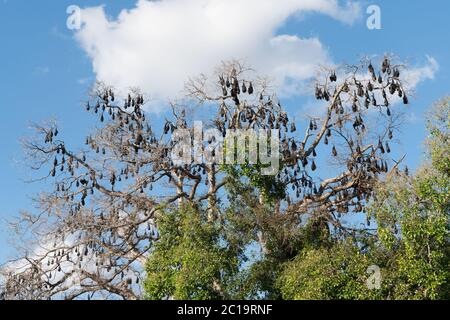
46 73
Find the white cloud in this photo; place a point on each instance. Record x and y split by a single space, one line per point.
414 76
158 45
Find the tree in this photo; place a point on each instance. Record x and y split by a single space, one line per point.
410 245
336 272
102 221
188 262
413 217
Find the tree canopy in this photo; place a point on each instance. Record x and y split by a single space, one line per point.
124 220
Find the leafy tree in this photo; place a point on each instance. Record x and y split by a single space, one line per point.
188 262
413 217
105 216
338 272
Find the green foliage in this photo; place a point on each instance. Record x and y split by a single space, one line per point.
413 219
439 139
270 187
188 262
413 226
338 272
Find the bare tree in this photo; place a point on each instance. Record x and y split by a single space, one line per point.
95 229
